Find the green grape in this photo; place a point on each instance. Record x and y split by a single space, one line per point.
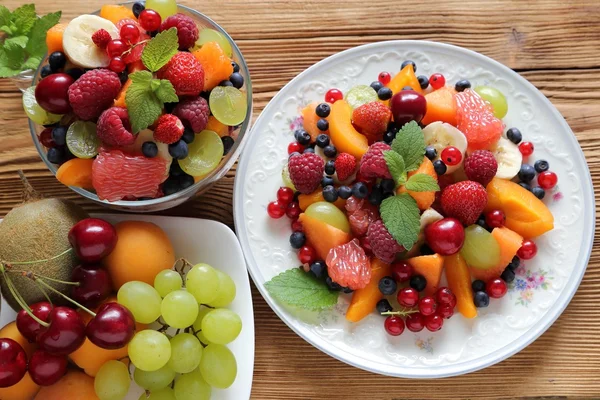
329 214
221 326
35 112
285 176
228 105
203 282
165 8
226 290
161 394
495 98
210 35
198 324
192 386
149 350
179 309
480 249
361 94
141 299
154 380
204 154
186 352
167 281
112 381
82 140
218 366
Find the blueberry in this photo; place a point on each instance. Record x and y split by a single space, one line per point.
46 70
226 82
388 185
327 181
330 167
514 264
481 223
407 88
461 85
426 250
175 169
508 275
59 135
430 152
387 285
478 285
332 285
541 166
236 67
384 93
345 192
389 137
237 80
330 193
347 290
123 77
525 185
330 151
360 190
423 81
188 135
297 240
149 149
481 299
376 196
392 127
323 124
56 155
302 136
308 150
323 110
409 62
185 181
514 135
318 269
418 282
322 140
178 150
376 85
439 167
383 305
57 60
538 192
526 173
137 8
171 186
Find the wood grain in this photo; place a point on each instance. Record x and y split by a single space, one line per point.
553 43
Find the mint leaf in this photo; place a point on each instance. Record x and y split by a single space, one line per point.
165 91
36 47
23 19
20 41
395 164
13 55
145 99
400 216
160 49
410 144
422 183
296 288
4 15
31 63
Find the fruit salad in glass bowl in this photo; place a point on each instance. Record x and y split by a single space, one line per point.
411 196
140 106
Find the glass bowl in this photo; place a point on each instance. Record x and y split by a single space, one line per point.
175 199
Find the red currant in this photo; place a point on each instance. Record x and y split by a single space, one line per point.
445 296
297 226
295 147
445 311
333 95
45 138
117 65
384 78
130 33
394 325
116 47
496 288
434 322
495 219
307 255
293 210
547 180
415 322
427 305
150 20
437 81
451 156
528 250
275 210
285 195
402 271
526 148
408 297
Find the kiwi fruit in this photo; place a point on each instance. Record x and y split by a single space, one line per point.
38 230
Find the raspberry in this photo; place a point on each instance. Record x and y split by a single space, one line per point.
372 119
94 92
306 172
481 166
383 245
194 113
101 38
464 201
345 165
349 266
187 31
169 129
113 127
186 74
372 164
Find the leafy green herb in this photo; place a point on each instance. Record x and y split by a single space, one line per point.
410 144
296 288
395 164
160 50
400 216
422 183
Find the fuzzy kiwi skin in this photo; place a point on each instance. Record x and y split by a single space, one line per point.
39 230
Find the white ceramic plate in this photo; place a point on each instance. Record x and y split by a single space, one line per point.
543 287
211 242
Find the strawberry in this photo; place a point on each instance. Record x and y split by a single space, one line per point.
306 172
481 166
464 201
345 165
382 243
372 164
101 38
372 119
169 129
186 74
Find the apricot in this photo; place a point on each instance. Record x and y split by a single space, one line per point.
310 119
215 125
440 106
10 331
74 385
459 281
364 300
323 237
143 250
25 389
424 199
430 267
217 66
114 13
76 172
342 132
404 78
54 38
305 200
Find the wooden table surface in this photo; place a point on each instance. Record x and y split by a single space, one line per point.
555 44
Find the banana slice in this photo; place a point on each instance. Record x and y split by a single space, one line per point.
509 158
440 135
78 44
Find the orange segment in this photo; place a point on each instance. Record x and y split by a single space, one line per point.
214 125
306 200
25 389
431 268
323 237
344 136
115 13
217 66
54 38
364 300
406 77
459 281
440 106
310 119
76 172
424 199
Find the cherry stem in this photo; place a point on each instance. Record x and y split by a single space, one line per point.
44 292
93 314
8 264
17 296
27 273
401 313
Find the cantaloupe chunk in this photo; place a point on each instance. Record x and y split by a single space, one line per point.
120 100
305 200
364 300
215 125
404 78
114 13
510 242
76 172
345 138
310 119
54 38
430 267
323 237
459 281
424 199
217 66
441 106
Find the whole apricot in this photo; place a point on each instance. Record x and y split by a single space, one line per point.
74 383
25 389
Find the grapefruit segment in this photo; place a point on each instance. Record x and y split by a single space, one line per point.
345 138
475 118
364 300
440 106
459 281
323 237
431 268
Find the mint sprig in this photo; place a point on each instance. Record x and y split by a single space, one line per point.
410 144
160 49
395 164
422 183
296 288
401 217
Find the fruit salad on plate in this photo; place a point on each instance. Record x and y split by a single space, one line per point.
137 102
399 186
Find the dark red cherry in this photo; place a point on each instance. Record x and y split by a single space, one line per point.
94 285
93 239
112 328
408 105
29 327
52 93
65 334
13 362
46 369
